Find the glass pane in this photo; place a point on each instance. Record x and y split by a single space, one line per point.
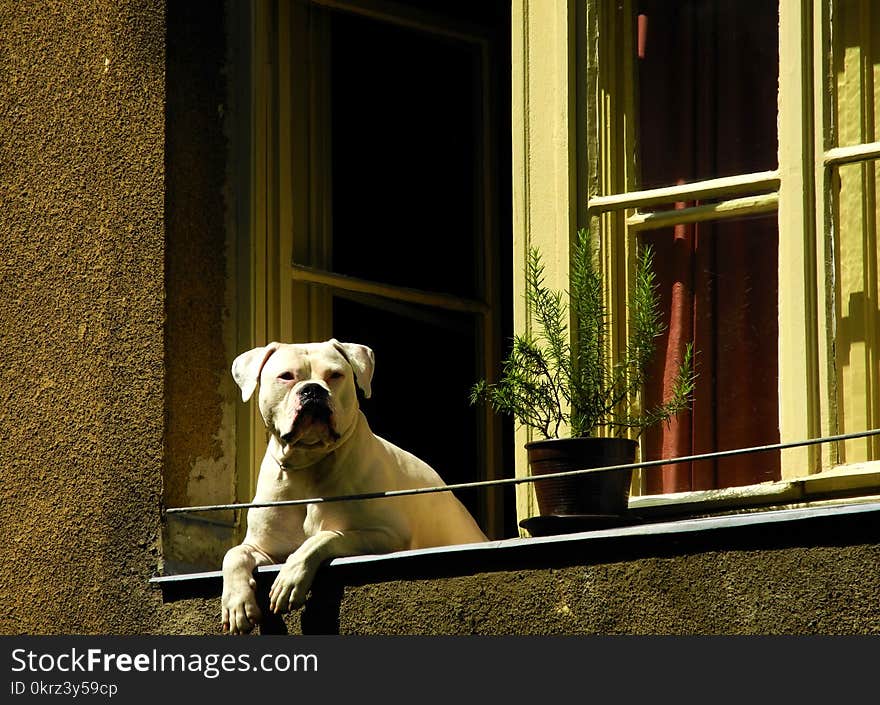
406 162
857 317
426 362
707 91
718 288
855 31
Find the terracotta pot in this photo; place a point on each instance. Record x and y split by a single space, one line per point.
598 493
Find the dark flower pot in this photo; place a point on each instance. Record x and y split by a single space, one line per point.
596 493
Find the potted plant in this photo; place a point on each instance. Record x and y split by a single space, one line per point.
556 383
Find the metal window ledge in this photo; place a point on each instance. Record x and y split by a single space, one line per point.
840 524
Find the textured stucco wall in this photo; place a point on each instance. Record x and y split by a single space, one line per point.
793 590
81 313
821 590
115 308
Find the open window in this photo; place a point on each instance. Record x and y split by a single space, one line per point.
380 215
398 160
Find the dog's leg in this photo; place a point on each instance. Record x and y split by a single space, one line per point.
292 585
239 610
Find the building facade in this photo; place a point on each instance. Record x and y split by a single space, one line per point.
184 181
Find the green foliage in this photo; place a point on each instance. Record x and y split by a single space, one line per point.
548 382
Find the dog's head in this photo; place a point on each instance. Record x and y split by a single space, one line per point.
308 392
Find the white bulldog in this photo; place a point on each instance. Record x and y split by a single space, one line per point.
321 446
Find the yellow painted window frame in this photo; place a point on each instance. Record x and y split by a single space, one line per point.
289 279
850 212
548 112
571 124
573 152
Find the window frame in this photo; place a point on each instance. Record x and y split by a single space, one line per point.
616 215
831 157
572 130
799 190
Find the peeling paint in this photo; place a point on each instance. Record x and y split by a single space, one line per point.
212 480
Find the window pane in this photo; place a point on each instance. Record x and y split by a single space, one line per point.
856 315
856 70
718 288
426 362
406 164
707 91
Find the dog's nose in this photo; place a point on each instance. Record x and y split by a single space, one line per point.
312 392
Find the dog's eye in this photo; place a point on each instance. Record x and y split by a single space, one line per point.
286 376
336 375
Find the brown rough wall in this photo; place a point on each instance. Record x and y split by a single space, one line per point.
820 590
81 311
823 590
197 365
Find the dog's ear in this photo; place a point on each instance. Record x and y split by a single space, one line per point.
362 361
246 368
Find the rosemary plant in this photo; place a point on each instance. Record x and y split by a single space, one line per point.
551 380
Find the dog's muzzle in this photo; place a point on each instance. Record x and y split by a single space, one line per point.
313 411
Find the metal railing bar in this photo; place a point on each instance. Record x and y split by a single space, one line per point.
520 480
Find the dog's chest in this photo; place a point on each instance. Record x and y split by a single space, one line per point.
319 519
342 516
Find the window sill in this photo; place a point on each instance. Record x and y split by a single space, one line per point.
854 483
840 492
839 522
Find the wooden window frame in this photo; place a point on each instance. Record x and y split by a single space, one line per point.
799 190
572 128
602 174
616 215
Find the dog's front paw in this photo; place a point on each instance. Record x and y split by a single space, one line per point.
290 587
239 610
